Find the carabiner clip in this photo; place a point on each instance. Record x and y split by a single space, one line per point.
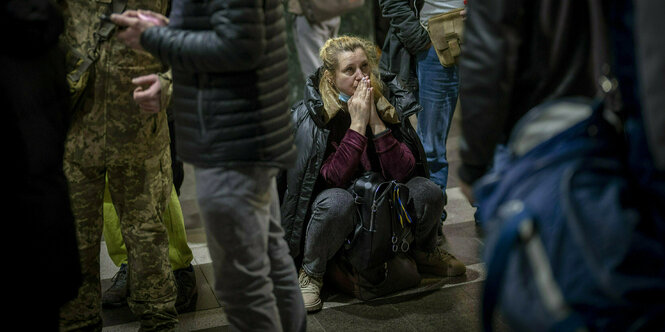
405 246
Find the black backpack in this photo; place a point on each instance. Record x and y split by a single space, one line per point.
374 262
385 226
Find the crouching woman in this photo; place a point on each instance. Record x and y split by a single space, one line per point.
351 122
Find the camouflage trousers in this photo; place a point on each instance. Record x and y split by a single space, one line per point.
140 193
180 255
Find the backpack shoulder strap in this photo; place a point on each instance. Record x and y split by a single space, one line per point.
102 34
106 27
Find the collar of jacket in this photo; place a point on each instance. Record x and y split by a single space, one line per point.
321 117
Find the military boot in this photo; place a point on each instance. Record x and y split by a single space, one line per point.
185 280
116 295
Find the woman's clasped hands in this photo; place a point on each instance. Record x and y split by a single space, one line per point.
362 108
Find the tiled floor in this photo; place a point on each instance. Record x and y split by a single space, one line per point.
452 304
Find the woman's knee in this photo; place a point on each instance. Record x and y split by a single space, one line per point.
335 202
333 211
425 192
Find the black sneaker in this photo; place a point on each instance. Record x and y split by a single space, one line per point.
185 280
116 295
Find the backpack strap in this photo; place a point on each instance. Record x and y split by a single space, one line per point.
402 235
106 27
400 207
520 232
101 35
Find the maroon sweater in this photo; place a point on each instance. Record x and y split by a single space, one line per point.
353 154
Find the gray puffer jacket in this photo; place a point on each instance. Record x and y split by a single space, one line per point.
229 63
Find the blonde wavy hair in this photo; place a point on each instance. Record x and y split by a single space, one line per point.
329 54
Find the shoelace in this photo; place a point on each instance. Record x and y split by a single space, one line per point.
443 254
304 280
117 274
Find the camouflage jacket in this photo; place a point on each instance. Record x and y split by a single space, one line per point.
110 127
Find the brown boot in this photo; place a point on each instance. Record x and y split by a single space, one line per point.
439 262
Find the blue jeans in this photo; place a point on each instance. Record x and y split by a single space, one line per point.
255 277
439 87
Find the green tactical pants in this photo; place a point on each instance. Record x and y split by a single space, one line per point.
180 255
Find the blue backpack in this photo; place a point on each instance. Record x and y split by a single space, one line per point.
569 246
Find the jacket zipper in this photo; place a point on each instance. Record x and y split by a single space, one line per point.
199 104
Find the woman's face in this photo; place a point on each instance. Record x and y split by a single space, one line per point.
352 67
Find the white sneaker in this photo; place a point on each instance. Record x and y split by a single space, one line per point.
310 288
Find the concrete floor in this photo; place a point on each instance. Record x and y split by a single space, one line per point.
453 304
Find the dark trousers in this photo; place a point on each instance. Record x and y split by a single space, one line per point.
334 218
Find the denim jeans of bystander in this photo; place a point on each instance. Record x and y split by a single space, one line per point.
438 91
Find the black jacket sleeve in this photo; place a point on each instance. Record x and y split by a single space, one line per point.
235 42
406 25
487 69
651 58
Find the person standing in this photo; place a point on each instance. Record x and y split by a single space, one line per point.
569 73
309 37
180 255
509 52
111 136
34 99
229 64
437 94
409 52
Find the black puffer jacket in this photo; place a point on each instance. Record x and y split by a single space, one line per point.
229 63
404 40
516 55
312 139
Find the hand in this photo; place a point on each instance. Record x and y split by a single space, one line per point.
360 107
375 122
468 192
156 18
135 26
149 100
463 14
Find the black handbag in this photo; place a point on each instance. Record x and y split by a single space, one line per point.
385 225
